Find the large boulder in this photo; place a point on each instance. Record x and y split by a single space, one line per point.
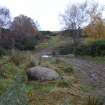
42 73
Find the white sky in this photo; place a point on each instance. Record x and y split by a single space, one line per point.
46 12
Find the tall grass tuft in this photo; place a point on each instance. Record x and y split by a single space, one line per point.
16 94
94 101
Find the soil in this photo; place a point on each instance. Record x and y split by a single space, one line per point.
89 73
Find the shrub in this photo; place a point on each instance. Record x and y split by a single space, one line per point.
98 48
94 101
68 69
83 50
19 41
8 71
25 42
64 67
65 49
18 58
29 43
30 64
3 51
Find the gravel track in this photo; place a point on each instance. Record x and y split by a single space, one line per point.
89 72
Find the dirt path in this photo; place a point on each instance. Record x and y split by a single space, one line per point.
89 72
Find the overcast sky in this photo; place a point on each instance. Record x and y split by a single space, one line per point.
46 12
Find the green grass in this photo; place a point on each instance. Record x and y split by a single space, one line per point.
64 83
15 95
41 87
92 100
4 83
98 60
40 93
87 88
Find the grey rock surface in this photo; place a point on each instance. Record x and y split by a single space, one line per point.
41 73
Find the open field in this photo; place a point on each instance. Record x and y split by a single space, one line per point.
79 78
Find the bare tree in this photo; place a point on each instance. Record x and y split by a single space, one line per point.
5 18
78 16
95 10
74 19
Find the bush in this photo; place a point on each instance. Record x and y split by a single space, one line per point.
65 49
94 101
30 64
19 41
83 50
3 51
18 58
64 67
8 71
25 42
98 48
68 69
